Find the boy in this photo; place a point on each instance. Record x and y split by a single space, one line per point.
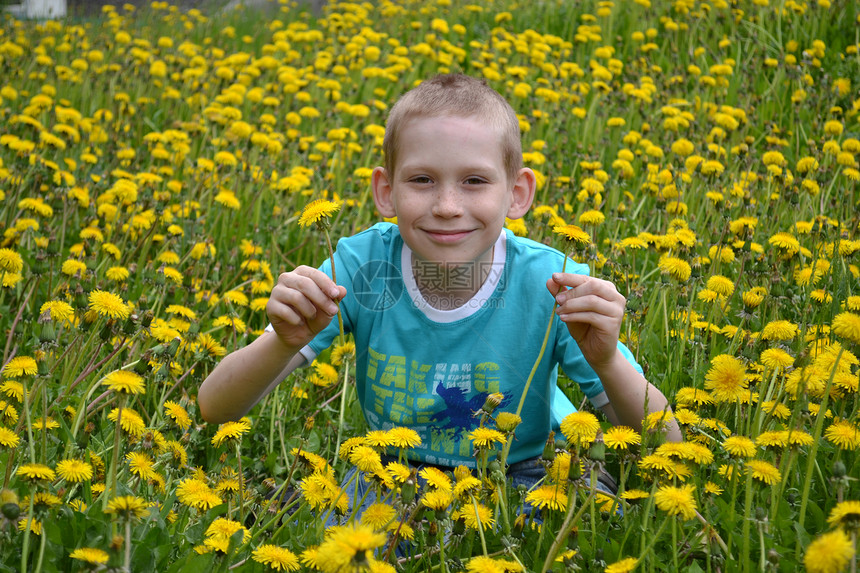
447 306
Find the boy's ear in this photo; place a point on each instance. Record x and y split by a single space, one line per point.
382 196
523 193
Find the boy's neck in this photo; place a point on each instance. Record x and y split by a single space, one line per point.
446 287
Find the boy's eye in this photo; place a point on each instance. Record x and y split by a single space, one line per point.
420 179
474 181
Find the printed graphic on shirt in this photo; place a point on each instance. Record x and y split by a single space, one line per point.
439 401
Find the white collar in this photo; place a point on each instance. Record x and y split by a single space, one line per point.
474 304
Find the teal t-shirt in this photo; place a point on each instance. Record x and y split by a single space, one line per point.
430 370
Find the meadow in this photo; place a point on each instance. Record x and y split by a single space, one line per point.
154 167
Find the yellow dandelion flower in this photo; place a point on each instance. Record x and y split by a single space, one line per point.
317 211
436 478
10 261
90 555
125 382
8 438
378 515
74 470
197 493
178 414
485 437
847 325
678 269
130 421
829 553
621 437
739 446
404 437
548 496
846 513
365 459
277 558
20 366
475 515
345 547
108 304
128 506
580 428
677 500
625 565
36 472
58 310
726 379
764 471
572 233
843 434
230 431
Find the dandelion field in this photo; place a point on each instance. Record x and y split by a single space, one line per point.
153 167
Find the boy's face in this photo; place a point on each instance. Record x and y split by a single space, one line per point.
450 192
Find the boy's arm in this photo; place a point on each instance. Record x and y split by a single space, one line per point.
302 303
593 309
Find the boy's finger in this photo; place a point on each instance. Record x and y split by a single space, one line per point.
306 295
322 280
570 279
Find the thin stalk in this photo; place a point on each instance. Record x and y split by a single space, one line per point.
241 483
813 450
566 527
344 392
480 525
110 489
25 550
507 448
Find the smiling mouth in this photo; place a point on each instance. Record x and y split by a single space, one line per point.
447 236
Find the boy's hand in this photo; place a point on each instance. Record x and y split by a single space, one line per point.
302 303
593 309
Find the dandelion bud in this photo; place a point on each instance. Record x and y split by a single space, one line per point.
573 539
597 451
81 300
146 319
839 470
549 449
10 511
116 542
407 490
773 556
105 332
309 424
40 265
142 366
574 471
128 325
459 527
519 525
507 422
497 477
173 347
492 402
760 514
432 531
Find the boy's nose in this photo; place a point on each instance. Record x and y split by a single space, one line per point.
448 203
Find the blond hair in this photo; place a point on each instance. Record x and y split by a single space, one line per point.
456 95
